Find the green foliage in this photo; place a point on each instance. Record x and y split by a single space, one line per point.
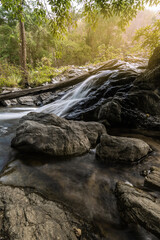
10 76
59 10
149 37
125 9
44 73
9 43
107 53
53 41
58 14
73 50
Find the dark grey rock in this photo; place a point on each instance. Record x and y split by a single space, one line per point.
27 100
145 101
29 216
121 149
152 180
137 206
149 80
47 133
111 111
7 103
154 60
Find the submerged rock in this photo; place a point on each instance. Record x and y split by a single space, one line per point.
136 206
121 149
28 216
152 180
49 134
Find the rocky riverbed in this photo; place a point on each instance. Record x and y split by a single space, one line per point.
94 174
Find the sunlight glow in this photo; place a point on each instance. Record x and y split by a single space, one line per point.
153 8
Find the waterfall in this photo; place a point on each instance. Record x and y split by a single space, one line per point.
14 113
62 106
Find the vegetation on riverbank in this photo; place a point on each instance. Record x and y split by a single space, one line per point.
48 55
10 75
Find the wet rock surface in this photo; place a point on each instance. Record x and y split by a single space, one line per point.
111 112
28 216
152 180
137 206
115 79
123 95
82 183
120 95
49 134
121 149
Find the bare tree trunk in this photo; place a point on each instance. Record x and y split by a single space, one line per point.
23 54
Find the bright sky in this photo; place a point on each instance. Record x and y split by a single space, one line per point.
154 8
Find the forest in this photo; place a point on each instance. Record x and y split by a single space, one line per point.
49 52
79 120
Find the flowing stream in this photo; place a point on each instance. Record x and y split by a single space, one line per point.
81 182
62 106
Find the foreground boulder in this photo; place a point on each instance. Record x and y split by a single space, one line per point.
136 206
49 134
121 149
28 216
153 179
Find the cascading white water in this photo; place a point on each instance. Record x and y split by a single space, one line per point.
14 113
9 116
62 106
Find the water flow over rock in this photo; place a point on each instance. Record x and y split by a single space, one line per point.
87 96
63 106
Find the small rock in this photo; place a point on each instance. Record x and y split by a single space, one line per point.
78 232
27 100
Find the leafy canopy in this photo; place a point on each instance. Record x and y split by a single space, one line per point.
149 36
59 10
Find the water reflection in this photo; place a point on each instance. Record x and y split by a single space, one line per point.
9 120
84 185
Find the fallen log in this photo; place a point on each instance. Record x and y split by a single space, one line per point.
42 89
52 87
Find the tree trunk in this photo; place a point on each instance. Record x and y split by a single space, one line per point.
23 54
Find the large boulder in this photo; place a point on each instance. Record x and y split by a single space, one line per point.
137 206
121 149
49 134
28 216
